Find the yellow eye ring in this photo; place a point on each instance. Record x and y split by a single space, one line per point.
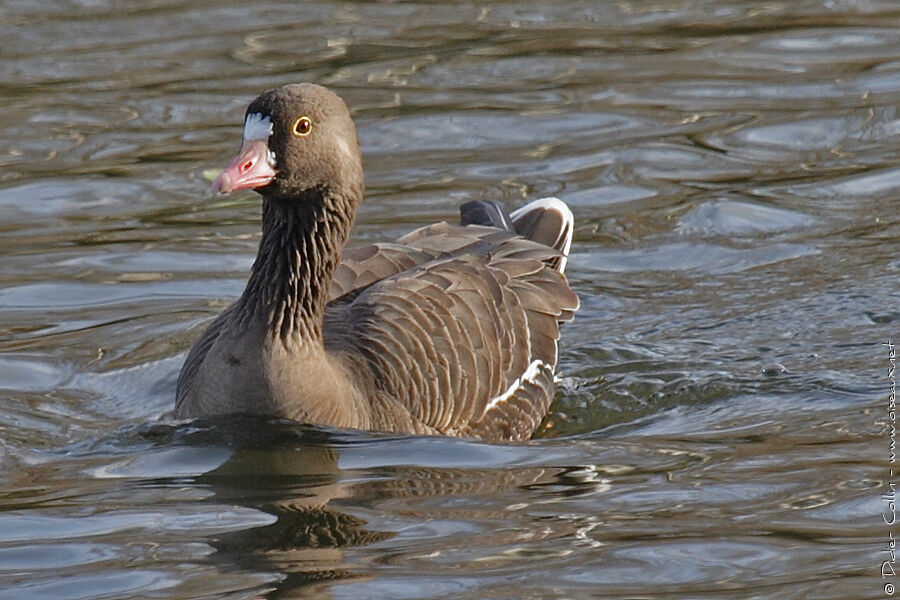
302 126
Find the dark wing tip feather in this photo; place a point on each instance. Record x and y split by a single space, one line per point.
489 213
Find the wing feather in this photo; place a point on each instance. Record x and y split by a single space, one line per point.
465 329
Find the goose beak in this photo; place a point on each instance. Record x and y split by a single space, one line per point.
251 169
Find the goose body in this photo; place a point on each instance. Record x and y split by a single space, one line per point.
450 330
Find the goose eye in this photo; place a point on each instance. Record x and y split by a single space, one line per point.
302 126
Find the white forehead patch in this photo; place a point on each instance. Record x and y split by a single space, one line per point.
257 127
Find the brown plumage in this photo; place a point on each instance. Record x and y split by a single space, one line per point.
452 329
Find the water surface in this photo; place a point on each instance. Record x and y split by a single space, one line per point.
721 428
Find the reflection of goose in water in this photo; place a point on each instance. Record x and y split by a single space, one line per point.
291 473
295 484
334 494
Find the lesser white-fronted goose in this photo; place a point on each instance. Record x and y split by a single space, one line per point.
452 329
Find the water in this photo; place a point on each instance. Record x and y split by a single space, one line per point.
721 429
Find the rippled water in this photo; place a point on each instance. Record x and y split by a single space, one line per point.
722 426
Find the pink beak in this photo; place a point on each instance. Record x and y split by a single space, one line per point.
249 170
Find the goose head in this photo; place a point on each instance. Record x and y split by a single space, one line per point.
297 138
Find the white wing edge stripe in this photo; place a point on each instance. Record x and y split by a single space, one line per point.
530 374
548 203
553 203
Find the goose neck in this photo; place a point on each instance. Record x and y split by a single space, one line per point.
301 244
